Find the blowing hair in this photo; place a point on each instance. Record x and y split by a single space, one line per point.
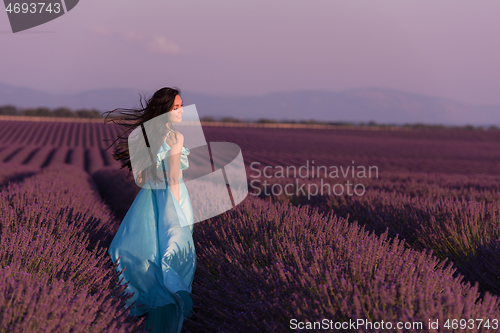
161 102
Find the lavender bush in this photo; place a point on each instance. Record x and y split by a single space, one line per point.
36 303
10 172
263 264
116 190
55 228
455 216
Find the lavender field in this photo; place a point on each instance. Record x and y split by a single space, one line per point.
421 243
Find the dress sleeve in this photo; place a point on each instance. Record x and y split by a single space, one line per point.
162 154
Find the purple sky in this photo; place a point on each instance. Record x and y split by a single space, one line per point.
445 48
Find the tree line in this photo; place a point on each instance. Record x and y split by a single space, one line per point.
370 123
10 110
93 113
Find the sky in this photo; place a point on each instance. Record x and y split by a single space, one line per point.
441 48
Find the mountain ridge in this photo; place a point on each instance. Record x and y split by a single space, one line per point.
353 105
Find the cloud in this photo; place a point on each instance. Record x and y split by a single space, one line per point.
131 37
155 44
101 31
160 44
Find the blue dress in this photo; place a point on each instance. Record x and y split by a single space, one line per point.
157 252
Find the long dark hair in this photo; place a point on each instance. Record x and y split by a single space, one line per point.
161 102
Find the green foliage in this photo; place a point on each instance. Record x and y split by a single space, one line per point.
82 113
208 119
266 121
10 110
230 120
93 113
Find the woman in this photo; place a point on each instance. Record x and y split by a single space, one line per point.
157 253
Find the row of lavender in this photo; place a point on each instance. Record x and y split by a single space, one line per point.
43 144
88 159
71 134
91 134
432 151
265 263
408 206
259 265
444 151
455 216
55 275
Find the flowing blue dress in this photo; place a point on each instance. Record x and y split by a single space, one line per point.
157 252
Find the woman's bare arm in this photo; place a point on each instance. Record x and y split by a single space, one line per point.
176 141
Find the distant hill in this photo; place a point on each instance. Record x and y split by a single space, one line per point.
356 105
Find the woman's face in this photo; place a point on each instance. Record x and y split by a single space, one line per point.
175 116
